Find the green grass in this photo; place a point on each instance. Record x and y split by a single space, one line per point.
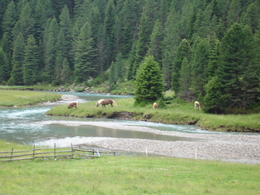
177 112
127 175
21 98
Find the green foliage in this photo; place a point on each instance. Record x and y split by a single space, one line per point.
31 63
4 67
238 71
168 30
149 83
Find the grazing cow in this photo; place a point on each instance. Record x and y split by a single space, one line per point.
155 106
197 105
73 104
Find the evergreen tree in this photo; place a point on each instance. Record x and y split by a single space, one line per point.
239 72
156 42
109 22
183 51
17 61
112 74
9 20
4 67
129 16
43 11
171 42
49 58
147 20
25 24
199 63
184 81
31 63
149 83
85 64
119 67
65 72
65 27
214 100
101 49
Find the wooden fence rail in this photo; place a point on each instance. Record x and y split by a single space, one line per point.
55 152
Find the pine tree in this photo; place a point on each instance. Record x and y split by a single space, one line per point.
65 72
119 67
238 69
25 24
17 61
59 57
149 85
4 67
155 48
214 100
199 63
101 49
184 81
85 65
31 63
183 51
9 21
109 22
171 42
112 74
65 27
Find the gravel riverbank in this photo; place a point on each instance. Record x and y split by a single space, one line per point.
242 148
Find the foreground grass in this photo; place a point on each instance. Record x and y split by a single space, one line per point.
127 175
177 112
21 98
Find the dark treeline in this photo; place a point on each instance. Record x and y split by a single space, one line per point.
207 49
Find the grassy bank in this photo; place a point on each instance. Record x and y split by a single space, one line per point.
127 175
177 112
23 98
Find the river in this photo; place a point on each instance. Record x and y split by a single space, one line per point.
30 125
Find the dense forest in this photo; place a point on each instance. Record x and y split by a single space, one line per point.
206 49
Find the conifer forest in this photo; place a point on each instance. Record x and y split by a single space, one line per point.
206 49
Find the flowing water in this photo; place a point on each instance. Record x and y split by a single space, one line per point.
30 125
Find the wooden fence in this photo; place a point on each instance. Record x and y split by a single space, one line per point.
54 153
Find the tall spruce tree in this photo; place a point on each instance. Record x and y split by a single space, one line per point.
85 64
238 71
65 72
31 63
17 61
184 81
65 27
184 50
199 63
149 85
4 67
155 48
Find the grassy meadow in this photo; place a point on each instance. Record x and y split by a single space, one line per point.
22 98
119 175
177 112
126 175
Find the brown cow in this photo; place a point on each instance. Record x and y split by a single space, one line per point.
73 104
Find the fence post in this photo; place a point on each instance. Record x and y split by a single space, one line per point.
12 153
33 150
55 150
72 151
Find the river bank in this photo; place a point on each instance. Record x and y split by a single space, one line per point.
233 147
